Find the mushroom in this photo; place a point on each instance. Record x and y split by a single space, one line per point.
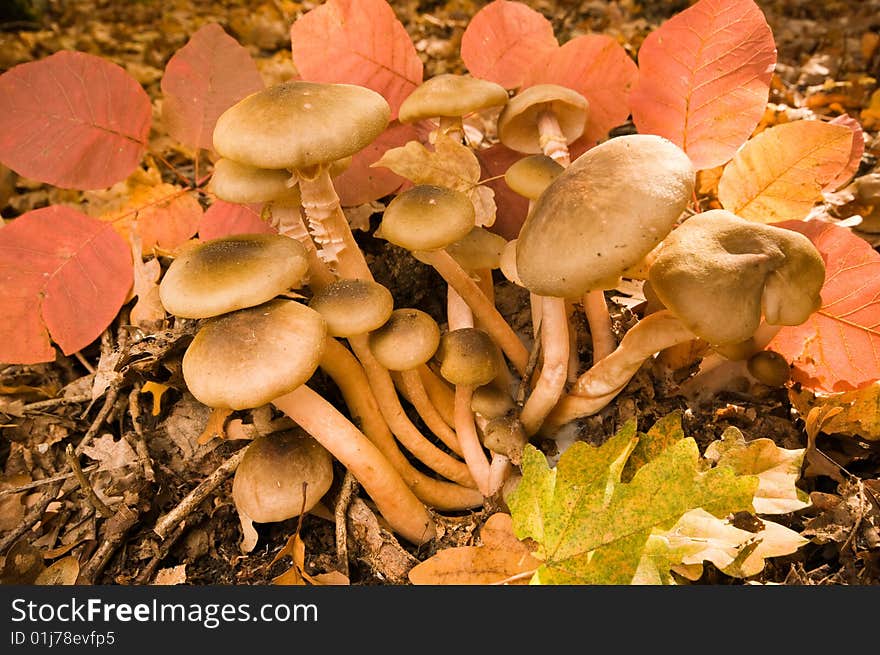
266 354
404 344
530 175
468 360
354 308
229 273
304 127
544 119
425 219
282 475
450 97
718 275
599 217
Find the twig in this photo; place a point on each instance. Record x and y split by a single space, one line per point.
82 360
170 520
140 444
61 477
530 367
116 527
146 575
34 515
51 402
84 483
349 485
112 394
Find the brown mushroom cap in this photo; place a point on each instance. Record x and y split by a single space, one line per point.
530 175
718 272
427 217
236 182
769 367
468 357
450 96
408 338
298 124
505 435
478 249
603 214
518 122
229 273
491 402
247 358
281 476
353 307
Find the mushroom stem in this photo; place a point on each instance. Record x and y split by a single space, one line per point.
451 127
471 447
395 416
328 225
484 310
599 320
288 220
554 370
440 392
596 387
348 374
405 513
552 140
414 391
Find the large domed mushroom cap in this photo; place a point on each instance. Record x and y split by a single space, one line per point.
299 124
720 273
427 217
229 273
250 357
603 214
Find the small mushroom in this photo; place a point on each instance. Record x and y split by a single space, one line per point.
467 358
305 127
450 97
282 475
229 273
426 219
530 175
544 119
266 354
233 181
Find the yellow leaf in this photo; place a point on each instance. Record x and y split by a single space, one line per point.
157 390
779 174
215 425
858 415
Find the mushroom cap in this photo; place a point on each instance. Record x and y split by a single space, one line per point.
530 175
491 401
505 435
248 358
769 367
233 181
718 272
408 339
298 124
603 214
478 249
353 307
427 217
269 482
507 263
229 273
450 96
468 357
518 122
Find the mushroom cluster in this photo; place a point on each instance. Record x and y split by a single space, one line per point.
437 412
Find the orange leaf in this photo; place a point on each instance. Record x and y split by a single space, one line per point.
504 40
779 174
838 348
223 219
705 78
361 183
501 559
73 120
597 67
204 78
357 42
64 276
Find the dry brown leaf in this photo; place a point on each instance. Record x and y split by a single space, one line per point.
171 576
148 313
859 413
62 572
501 559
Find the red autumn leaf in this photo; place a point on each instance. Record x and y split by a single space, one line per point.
855 157
63 276
73 120
204 78
223 219
504 40
705 78
511 208
838 348
360 183
597 67
357 42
